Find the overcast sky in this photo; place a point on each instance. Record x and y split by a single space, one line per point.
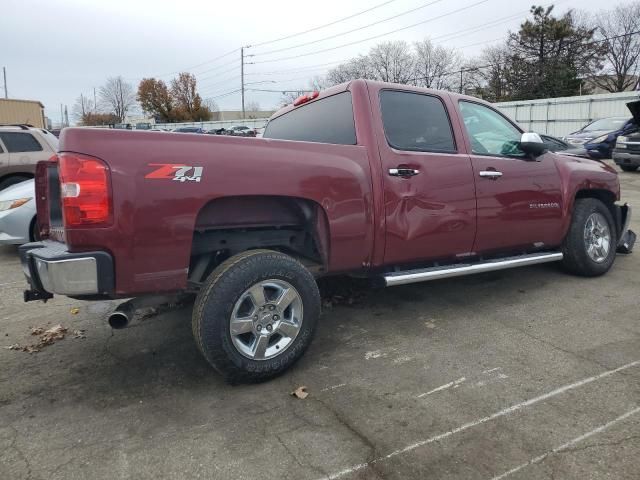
56 49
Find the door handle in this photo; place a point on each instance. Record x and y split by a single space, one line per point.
490 174
403 172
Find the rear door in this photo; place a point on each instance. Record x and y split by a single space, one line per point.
519 198
429 196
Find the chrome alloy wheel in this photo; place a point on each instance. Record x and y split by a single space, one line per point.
597 237
266 319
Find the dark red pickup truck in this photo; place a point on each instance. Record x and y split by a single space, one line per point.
398 183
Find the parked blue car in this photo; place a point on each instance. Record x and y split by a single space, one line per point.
599 137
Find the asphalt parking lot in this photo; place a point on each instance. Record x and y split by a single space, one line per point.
521 374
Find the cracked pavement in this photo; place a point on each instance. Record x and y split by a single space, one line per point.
141 403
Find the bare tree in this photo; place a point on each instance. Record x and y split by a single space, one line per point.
616 30
252 106
435 65
118 97
392 61
82 109
487 75
359 67
213 107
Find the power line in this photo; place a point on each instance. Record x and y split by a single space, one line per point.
297 69
220 66
428 4
215 84
373 37
225 94
323 26
200 64
217 75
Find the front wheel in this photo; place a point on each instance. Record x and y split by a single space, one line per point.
590 245
628 168
256 315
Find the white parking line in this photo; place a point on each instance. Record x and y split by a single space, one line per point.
333 387
466 426
569 444
443 387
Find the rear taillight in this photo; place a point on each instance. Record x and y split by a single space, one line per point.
85 191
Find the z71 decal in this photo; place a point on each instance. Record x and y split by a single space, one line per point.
175 171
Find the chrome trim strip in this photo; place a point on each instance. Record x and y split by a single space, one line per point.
436 273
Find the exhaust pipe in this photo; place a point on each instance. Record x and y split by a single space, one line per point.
122 315
125 312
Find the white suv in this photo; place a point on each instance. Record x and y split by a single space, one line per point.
21 148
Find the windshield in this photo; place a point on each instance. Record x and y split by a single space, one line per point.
608 124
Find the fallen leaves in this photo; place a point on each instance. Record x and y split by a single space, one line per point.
74 311
46 337
79 334
300 392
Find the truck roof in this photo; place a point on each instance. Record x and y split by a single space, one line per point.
345 86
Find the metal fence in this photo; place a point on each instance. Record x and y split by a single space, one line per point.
249 122
563 115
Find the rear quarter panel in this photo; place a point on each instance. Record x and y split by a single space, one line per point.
154 219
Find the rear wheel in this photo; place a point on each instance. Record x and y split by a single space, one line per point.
256 315
628 168
590 245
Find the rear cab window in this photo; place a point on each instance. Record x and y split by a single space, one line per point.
327 120
20 142
416 122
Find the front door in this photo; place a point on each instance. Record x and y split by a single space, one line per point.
519 198
429 192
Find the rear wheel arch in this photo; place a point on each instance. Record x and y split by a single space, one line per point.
230 225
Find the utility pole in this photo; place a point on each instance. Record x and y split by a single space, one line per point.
242 78
95 104
461 80
66 116
61 118
4 74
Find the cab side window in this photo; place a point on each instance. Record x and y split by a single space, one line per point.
416 122
489 132
20 142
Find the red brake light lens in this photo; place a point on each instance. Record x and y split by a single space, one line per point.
307 97
85 191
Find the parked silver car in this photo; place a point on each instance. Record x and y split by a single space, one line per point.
18 214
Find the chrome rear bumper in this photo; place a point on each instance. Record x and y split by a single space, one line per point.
51 269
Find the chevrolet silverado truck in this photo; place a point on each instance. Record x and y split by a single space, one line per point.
397 183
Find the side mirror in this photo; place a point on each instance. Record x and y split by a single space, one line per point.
532 144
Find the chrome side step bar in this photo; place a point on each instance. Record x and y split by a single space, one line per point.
460 269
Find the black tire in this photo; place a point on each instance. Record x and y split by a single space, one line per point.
7 182
628 168
576 258
34 232
215 303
